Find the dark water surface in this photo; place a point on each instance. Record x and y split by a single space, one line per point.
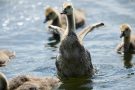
22 30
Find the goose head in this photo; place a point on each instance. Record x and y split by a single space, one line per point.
50 14
67 8
125 30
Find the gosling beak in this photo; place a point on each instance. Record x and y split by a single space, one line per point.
63 12
122 35
46 19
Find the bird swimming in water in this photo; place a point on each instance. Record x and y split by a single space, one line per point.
73 59
6 56
26 82
53 17
128 41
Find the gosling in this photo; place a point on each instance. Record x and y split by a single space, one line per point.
5 56
56 19
73 59
128 41
25 82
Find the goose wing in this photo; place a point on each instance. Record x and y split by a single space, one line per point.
56 29
88 29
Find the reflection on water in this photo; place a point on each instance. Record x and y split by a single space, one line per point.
53 41
127 60
76 84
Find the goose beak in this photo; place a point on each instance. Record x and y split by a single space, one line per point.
63 12
122 35
46 19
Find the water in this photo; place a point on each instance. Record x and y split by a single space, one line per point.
22 30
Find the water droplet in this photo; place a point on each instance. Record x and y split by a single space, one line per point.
33 6
6 22
69 0
39 3
20 23
28 19
36 18
56 8
21 17
20 2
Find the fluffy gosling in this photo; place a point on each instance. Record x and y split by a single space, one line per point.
128 41
5 56
56 19
25 82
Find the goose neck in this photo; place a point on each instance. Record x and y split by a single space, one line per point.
70 23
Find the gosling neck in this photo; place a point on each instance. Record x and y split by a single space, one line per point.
57 21
70 23
126 43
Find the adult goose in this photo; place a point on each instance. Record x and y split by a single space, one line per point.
25 82
128 41
73 59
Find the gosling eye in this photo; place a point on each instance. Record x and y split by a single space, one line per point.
126 29
51 14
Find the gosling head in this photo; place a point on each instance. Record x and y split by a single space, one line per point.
125 30
50 14
67 8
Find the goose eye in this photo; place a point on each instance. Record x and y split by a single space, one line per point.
68 7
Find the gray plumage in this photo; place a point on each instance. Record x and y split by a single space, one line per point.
73 59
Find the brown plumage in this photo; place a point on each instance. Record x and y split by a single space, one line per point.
73 59
53 17
128 41
26 82
5 56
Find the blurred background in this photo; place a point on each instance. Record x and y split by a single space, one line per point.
23 31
